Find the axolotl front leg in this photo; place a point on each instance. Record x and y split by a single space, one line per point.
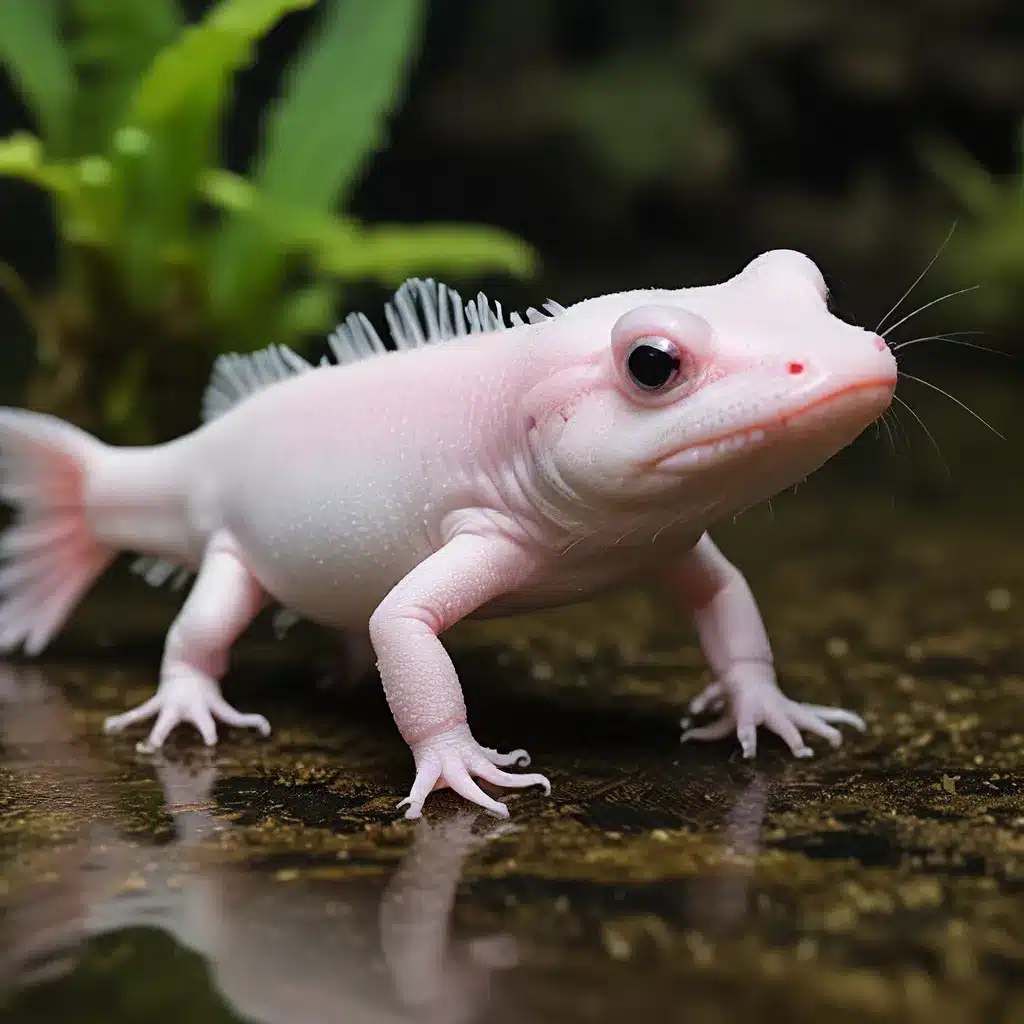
733 638
420 681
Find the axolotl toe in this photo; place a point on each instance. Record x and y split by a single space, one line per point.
472 467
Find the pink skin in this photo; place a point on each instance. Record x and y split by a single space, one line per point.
736 645
498 472
223 601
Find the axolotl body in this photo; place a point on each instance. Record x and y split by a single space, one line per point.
474 468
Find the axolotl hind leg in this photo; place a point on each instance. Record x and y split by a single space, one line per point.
224 599
419 679
736 645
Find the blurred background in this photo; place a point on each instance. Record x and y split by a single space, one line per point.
168 192
182 178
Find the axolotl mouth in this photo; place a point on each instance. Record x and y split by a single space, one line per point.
875 393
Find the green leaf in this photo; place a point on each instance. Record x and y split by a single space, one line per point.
231 192
21 156
120 402
389 253
31 47
328 123
79 193
113 44
309 311
173 126
330 119
204 57
989 245
348 250
976 189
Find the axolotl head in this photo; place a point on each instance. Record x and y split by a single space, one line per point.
726 394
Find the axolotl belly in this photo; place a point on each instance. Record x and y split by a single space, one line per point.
474 467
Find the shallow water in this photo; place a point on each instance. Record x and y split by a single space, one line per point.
272 882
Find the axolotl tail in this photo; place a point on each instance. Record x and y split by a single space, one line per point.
51 556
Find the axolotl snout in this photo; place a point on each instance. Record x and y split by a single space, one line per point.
475 468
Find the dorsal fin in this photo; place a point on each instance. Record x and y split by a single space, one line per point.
158 571
424 311
421 312
235 376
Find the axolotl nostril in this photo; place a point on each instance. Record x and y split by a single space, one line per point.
475 467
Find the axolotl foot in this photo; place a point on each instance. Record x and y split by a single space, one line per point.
453 758
186 696
752 698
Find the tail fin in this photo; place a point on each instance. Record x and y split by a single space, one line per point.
51 557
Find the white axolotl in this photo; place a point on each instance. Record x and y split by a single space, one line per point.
476 469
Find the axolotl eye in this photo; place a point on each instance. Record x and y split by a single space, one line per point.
653 363
657 350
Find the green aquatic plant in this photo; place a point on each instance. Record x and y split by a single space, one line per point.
989 244
165 257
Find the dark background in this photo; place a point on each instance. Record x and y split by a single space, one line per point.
666 143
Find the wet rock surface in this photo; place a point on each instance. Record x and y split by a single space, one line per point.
271 880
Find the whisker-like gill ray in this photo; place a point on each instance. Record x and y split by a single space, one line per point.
917 280
951 339
928 433
883 421
921 309
952 398
900 427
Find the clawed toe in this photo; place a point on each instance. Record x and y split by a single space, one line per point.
717 730
185 699
459 779
838 716
763 704
520 758
711 697
489 773
452 759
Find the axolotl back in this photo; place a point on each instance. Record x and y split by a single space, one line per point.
475 468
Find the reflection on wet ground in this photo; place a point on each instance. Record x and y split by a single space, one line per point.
271 881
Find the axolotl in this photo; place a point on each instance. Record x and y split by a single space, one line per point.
477 466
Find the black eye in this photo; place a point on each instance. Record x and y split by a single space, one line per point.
652 363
